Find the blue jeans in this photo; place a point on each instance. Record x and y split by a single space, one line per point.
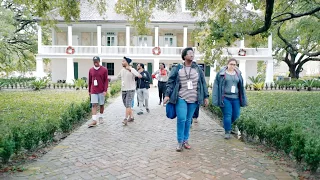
231 112
184 115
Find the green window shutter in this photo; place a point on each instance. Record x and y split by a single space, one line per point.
76 70
207 71
150 71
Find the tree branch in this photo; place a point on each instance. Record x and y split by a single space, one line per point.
267 18
312 54
306 60
26 22
289 45
292 16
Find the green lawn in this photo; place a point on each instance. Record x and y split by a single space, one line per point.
24 106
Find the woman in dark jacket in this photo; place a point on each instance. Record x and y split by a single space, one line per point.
187 89
228 93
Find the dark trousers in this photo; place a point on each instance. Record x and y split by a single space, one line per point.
162 90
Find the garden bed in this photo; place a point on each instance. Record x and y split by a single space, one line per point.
287 121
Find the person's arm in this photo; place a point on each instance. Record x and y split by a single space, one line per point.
157 72
204 84
135 72
106 81
117 77
215 91
171 81
90 81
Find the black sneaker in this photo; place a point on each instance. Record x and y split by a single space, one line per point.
140 113
148 110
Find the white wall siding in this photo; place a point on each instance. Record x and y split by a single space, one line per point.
59 69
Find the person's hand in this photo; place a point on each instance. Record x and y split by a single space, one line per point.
89 93
206 102
166 99
140 76
104 93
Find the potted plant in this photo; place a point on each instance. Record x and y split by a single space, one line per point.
308 84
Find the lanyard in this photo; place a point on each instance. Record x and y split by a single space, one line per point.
186 72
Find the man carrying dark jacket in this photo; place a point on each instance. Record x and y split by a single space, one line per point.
143 85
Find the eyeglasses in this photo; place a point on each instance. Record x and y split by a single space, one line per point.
232 64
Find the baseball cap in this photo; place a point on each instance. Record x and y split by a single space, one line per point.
96 58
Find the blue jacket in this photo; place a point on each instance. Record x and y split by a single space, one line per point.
173 84
219 85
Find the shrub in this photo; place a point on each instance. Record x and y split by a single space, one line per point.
39 84
115 88
30 119
287 121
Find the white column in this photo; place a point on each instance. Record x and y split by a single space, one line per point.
39 39
39 68
69 35
128 39
270 44
155 68
269 72
70 71
242 43
100 61
53 33
185 36
99 38
242 68
156 37
213 74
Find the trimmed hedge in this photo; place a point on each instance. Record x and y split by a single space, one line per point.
287 121
31 119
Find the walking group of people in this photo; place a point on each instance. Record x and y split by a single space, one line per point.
185 87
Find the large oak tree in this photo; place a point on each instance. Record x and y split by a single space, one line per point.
293 23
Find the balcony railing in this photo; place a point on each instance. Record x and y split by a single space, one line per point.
110 50
59 50
249 51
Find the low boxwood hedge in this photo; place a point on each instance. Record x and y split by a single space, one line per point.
287 121
31 119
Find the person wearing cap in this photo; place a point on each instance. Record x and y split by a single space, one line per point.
143 84
128 86
98 86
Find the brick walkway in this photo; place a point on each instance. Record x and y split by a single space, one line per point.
145 149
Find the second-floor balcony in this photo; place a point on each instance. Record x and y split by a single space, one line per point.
111 50
234 51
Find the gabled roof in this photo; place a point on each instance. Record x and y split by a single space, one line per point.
89 13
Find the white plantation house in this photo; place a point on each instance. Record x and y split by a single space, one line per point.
111 37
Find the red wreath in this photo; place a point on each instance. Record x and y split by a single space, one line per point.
242 52
70 50
156 51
